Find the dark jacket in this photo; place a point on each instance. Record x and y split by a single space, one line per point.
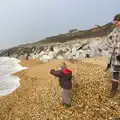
65 77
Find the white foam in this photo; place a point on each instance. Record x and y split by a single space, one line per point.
9 83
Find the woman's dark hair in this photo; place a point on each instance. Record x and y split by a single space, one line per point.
117 17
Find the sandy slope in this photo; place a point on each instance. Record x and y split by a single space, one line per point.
38 97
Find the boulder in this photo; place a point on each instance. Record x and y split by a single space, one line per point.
60 57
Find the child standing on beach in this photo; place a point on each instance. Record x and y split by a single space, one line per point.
114 54
65 82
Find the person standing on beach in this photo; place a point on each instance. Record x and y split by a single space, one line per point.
65 82
114 55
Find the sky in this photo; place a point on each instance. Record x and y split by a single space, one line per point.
26 21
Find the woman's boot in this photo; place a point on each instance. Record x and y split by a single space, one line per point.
113 89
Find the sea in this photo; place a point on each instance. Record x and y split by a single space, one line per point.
8 82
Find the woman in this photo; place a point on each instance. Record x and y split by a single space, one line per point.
114 54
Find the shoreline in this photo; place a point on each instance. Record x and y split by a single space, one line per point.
9 82
29 80
38 96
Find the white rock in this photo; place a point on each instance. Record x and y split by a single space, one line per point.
60 57
45 58
104 53
86 47
68 55
56 49
42 53
51 54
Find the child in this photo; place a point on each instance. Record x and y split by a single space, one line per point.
65 76
114 54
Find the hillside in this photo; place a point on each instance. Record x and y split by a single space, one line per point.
99 31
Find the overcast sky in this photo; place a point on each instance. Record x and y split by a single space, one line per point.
24 21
